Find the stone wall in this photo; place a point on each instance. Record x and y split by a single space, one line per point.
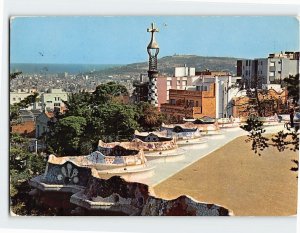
140 200
116 195
66 174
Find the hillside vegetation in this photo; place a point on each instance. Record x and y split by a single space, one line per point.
166 65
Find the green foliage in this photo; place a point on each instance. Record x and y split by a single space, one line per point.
105 93
98 115
281 141
78 104
255 129
23 165
91 117
167 64
292 84
65 135
119 121
14 75
15 108
149 118
286 141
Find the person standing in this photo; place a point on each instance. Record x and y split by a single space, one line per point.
292 113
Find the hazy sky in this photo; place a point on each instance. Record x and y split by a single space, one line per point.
122 40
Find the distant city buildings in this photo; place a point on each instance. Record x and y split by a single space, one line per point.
20 94
182 77
185 93
191 103
49 101
206 96
270 70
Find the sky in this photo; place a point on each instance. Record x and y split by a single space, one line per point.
123 39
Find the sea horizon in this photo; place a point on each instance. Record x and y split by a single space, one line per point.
54 68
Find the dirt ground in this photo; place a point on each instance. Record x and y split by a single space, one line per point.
237 178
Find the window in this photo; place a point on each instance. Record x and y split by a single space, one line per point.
272 74
49 102
178 82
169 83
197 104
184 83
201 88
191 103
56 104
14 99
272 63
172 101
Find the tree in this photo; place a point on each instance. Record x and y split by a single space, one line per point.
65 135
78 104
282 140
14 75
119 121
23 165
106 92
149 118
14 112
292 84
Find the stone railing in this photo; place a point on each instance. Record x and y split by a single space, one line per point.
91 193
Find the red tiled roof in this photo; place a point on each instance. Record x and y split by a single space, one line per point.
25 128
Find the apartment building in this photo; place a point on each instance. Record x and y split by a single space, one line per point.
54 98
270 70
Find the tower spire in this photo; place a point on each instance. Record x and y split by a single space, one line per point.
153 50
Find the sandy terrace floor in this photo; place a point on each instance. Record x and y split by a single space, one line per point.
237 178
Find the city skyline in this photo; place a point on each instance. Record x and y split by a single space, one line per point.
123 40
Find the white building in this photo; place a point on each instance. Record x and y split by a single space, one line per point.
268 70
227 88
54 98
184 71
41 123
20 94
48 101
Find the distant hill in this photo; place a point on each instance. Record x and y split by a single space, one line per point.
166 65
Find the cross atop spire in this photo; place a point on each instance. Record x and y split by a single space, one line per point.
152 29
153 44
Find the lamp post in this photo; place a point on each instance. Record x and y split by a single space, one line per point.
153 50
36 146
